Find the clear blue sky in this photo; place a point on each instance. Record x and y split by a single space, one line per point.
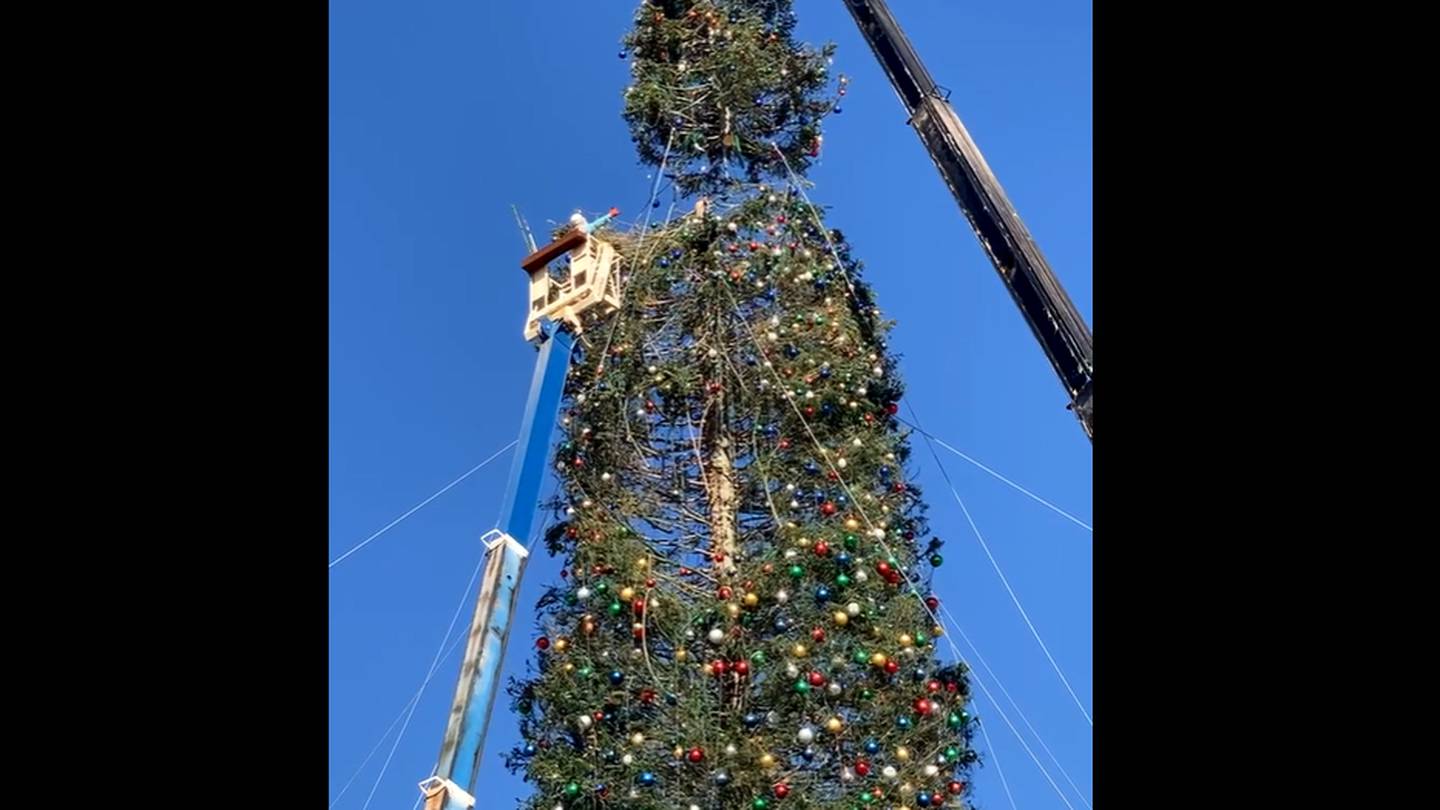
443 113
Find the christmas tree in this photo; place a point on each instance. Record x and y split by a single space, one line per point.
744 619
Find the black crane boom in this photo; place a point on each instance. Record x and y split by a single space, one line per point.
1052 317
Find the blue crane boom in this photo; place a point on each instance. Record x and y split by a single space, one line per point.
452 787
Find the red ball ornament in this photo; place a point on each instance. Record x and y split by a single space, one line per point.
892 409
899 486
782 790
638 631
718 666
784 444
638 606
955 787
647 695
924 706
718 557
816 679
597 716
822 548
933 686
724 592
542 643
932 602
817 635
862 768
883 568
891 667
695 755
827 508
741 667
650 583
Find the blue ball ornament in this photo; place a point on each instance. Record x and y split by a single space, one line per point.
844 559
617 677
822 593
646 779
872 747
903 722
923 799
752 720
529 749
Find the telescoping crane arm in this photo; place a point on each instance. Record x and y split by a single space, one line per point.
1052 317
593 276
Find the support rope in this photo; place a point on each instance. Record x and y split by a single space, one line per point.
418 506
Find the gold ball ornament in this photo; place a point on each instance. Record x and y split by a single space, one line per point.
799 651
902 753
752 599
906 640
733 609
637 739
841 618
562 644
833 725
852 524
767 761
878 659
681 654
627 594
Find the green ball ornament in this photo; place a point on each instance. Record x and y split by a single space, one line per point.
862 657
572 790
954 720
601 587
852 542
867 798
843 580
936 560
585 672
952 753
758 656
921 639
614 609
760 803
802 686
797 571
867 693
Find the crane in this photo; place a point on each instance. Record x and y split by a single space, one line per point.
552 321
1037 292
